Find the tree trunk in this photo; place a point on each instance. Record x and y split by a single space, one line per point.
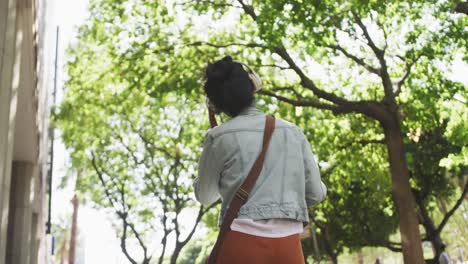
164 243
327 245
429 226
72 250
360 257
176 253
334 259
409 229
63 251
314 242
462 8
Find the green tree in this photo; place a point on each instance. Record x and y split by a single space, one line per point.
393 53
138 155
358 211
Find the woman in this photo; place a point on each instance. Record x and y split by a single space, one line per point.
268 225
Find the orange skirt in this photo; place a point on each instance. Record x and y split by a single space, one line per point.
240 248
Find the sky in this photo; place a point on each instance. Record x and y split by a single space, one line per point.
99 241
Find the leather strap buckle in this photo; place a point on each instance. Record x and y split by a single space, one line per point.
242 194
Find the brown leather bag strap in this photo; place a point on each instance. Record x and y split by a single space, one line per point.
243 192
211 115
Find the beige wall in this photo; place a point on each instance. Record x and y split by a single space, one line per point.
21 213
24 112
9 80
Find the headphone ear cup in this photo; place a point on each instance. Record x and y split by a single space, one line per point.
257 82
253 76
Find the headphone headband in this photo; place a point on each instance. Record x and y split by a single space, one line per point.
253 76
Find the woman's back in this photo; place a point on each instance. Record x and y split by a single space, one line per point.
288 183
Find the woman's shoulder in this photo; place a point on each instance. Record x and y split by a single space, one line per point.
284 123
281 123
251 123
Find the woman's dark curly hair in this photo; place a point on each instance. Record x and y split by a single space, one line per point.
228 86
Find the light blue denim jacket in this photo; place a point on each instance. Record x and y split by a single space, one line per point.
289 181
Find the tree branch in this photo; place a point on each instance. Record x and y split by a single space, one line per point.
327 243
176 222
359 61
123 214
308 83
382 27
461 8
288 89
248 9
101 179
137 235
167 231
130 151
402 80
200 214
123 239
393 246
377 51
177 200
454 208
364 142
212 3
369 108
150 146
113 180
309 102
272 65
380 54
204 43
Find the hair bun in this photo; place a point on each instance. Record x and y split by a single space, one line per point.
220 70
227 59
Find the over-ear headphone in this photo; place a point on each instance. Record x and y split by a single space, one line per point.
253 76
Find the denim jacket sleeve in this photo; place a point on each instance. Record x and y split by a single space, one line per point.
315 189
209 170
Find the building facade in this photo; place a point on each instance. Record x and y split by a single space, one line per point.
25 100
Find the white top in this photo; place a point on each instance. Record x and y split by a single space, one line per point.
273 228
